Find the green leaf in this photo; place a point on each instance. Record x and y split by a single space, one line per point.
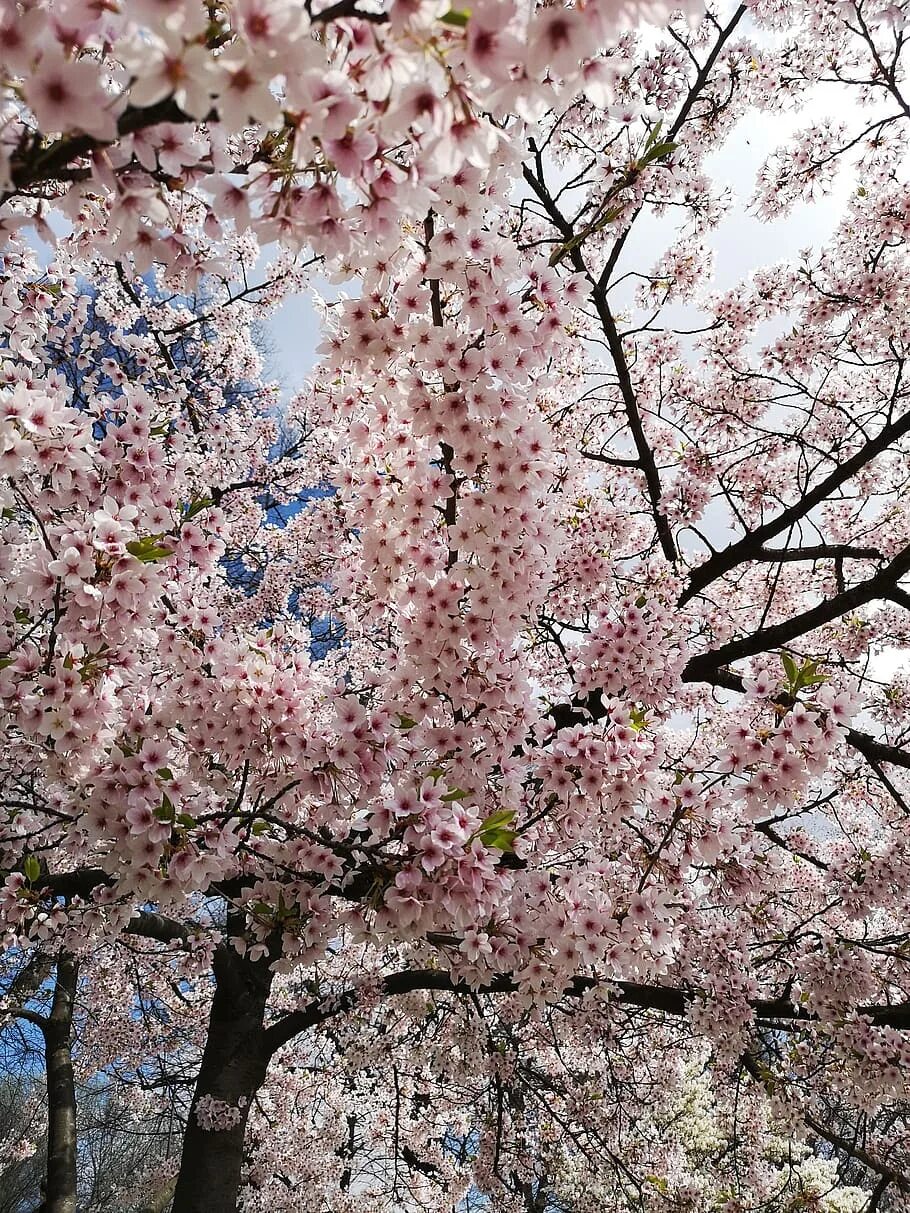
148 549
259 828
657 152
809 675
165 773
166 811
5 661
458 17
186 819
405 722
499 840
32 869
502 817
455 794
494 830
653 134
196 506
805 675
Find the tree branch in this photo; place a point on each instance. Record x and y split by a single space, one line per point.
750 545
671 1000
645 456
44 164
881 585
820 551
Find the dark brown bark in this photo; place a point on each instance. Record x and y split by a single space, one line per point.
233 1068
61 1091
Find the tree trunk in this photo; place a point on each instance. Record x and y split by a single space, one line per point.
60 1194
233 1068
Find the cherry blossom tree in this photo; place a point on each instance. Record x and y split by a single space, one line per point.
572 871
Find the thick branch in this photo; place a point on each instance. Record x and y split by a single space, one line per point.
671 1000
569 715
348 8
79 883
751 545
881 585
878 751
84 881
157 926
44 164
854 1150
818 551
49 163
30 1016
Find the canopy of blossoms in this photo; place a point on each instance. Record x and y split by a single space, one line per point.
504 712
